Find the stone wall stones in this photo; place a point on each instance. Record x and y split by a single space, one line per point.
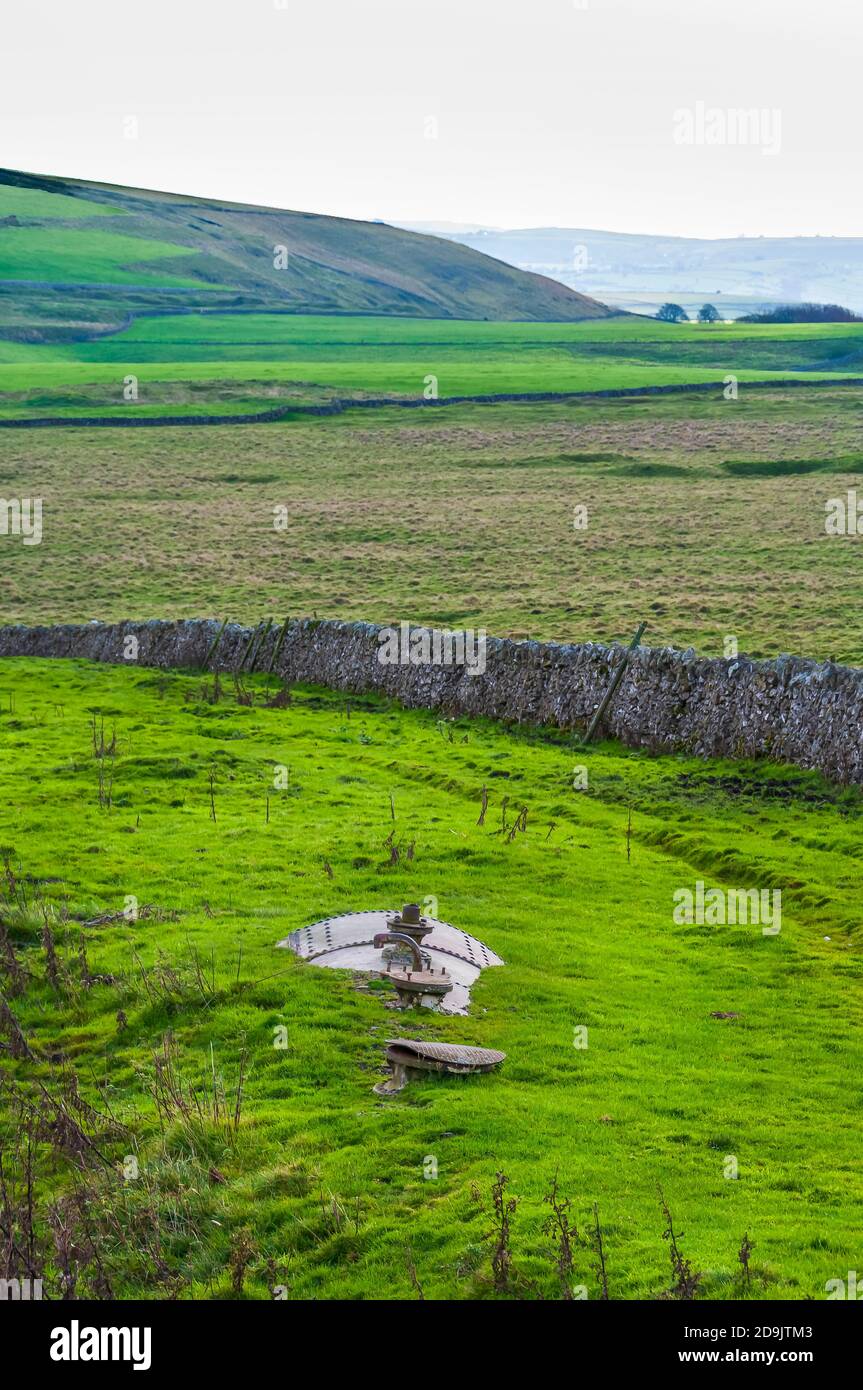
790 709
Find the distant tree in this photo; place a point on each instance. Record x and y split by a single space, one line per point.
673 313
708 313
804 313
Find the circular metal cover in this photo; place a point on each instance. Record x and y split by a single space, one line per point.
347 943
360 929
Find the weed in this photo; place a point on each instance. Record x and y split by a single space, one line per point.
566 1237
686 1280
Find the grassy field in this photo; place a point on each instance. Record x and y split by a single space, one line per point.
313 1184
84 257
397 356
180 1151
38 203
706 519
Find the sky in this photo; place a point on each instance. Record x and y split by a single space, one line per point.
612 114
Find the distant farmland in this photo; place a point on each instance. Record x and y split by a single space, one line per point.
705 518
310 356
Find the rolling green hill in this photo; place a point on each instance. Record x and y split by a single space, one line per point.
62 273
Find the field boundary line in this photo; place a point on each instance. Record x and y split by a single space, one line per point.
343 404
789 710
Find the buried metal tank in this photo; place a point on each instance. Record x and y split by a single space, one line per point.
429 962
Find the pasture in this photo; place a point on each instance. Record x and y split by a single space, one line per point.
705 518
381 356
703 1044
710 1067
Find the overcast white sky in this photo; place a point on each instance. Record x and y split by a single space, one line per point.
548 114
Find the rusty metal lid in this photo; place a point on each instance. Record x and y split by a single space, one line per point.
410 1052
420 981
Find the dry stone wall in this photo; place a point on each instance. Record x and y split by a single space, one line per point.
790 710
129 420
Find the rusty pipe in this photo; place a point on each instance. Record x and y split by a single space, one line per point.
384 938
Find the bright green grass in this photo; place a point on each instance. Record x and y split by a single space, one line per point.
345 330
398 355
466 377
36 202
86 256
663 1093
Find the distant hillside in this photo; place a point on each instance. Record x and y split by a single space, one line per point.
78 256
739 274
